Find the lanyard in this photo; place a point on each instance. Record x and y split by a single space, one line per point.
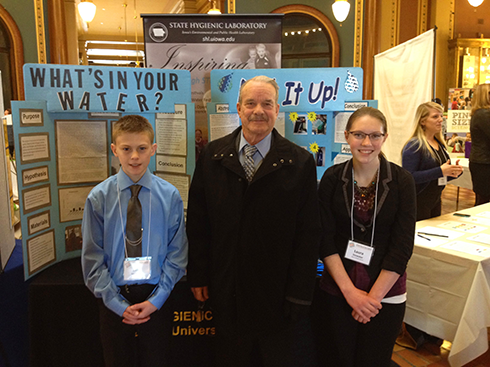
122 226
352 209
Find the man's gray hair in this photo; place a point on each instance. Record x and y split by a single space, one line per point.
260 79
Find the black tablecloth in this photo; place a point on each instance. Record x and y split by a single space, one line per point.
63 322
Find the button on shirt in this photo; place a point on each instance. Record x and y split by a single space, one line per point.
103 251
263 148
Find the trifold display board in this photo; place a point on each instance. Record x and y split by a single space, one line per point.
314 107
63 136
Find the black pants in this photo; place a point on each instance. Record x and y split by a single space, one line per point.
343 342
144 345
429 201
291 346
480 176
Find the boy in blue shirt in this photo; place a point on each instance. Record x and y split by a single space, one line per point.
132 288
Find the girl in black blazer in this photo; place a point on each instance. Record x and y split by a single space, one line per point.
368 217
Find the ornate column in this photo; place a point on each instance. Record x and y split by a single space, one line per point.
57 32
369 49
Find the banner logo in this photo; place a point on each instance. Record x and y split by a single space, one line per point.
158 32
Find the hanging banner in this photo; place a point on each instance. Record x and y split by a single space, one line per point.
403 79
201 43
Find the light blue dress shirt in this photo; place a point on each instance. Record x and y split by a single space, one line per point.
263 148
103 251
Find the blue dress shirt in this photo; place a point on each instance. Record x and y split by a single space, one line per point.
164 238
263 148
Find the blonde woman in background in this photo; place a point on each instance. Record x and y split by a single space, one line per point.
480 143
426 158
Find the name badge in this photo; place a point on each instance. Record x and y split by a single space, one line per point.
137 268
359 253
442 181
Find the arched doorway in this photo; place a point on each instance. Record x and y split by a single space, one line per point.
309 38
11 58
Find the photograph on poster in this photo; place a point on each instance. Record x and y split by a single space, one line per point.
72 202
300 127
320 157
171 136
181 182
31 117
200 142
460 98
81 151
34 147
35 175
38 222
36 198
222 124
73 238
319 126
41 251
171 163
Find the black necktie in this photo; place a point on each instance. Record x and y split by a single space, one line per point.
134 232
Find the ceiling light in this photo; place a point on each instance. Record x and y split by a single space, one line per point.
475 3
87 9
340 10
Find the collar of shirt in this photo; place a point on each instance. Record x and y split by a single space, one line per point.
124 181
263 148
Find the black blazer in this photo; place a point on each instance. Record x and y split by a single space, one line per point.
395 220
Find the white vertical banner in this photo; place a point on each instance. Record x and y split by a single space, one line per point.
403 79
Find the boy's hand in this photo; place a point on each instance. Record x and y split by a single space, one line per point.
138 313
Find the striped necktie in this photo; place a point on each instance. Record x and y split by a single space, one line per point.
248 164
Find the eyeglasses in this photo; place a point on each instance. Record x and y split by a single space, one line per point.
359 135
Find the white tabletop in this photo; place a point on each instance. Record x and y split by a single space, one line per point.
448 282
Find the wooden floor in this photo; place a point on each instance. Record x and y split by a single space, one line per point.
430 355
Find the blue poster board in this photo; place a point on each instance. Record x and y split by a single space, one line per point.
309 100
79 98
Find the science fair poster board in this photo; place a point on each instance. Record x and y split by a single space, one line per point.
201 43
63 136
314 105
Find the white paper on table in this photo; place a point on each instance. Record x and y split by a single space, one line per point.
468 248
485 214
476 220
481 237
463 227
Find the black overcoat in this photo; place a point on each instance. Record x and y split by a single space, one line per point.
254 245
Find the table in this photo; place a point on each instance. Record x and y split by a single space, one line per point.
448 290
64 324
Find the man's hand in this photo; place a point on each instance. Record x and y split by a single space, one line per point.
138 313
200 293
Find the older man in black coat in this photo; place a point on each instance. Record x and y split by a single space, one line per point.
253 228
